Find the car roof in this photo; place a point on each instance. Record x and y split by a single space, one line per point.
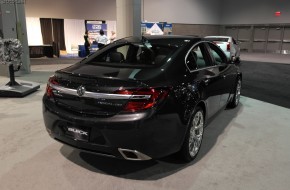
175 40
162 37
172 37
217 37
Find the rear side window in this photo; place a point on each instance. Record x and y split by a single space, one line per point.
136 54
218 56
197 58
191 61
200 52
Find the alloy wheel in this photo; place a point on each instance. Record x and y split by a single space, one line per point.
196 133
238 92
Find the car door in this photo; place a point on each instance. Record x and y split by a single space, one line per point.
225 72
205 75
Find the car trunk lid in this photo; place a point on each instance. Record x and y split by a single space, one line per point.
93 95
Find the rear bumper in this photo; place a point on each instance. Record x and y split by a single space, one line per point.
134 136
228 54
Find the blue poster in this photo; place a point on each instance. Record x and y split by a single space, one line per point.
167 29
94 28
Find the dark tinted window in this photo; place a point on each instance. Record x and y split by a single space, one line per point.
136 54
197 58
200 52
218 56
191 61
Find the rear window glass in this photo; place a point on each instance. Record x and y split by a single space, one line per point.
217 39
135 54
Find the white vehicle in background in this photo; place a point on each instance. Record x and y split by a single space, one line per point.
228 44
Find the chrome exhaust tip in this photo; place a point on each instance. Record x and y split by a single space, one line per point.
133 155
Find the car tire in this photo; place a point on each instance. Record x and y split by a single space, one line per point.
238 60
194 136
236 98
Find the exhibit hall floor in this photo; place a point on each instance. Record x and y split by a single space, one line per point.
264 57
243 148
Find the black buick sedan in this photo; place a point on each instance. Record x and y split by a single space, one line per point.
141 98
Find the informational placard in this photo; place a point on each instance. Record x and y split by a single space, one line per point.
156 28
94 28
151 28
167 29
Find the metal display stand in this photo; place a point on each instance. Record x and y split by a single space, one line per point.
8 54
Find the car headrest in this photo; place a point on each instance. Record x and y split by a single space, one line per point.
116 57
158 59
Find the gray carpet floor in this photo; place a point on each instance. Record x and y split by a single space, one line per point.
268 82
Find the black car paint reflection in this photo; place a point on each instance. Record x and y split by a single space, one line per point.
140 96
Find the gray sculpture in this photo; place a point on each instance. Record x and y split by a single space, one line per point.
10 54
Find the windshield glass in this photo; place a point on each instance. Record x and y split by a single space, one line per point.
135 54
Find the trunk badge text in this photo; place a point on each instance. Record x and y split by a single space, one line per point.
81 90
77 131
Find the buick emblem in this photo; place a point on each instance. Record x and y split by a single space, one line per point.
81 90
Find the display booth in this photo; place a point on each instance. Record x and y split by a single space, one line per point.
93 28
73 30
82 50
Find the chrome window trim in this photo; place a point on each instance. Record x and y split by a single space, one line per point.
204 68
96 95
209 67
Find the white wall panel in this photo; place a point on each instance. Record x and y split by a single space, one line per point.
74 34
72 9
183 11
34 34
254 12
175 11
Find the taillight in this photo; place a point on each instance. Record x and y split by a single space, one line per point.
144 98
228 47
49 89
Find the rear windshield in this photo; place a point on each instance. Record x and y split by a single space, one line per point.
135 54
218 39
